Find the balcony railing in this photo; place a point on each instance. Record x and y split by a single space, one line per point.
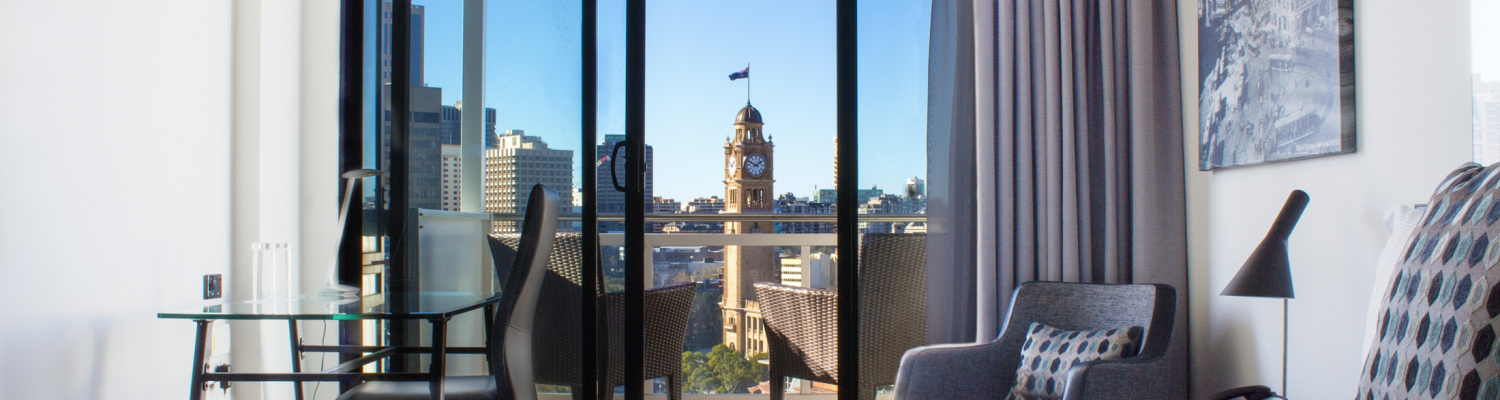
803 240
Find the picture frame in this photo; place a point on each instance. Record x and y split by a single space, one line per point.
1276 81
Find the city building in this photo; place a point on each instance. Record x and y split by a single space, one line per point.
424 147
425 186
519 162
791 204
607 199
749 178
916 187
708 205
818 274
663 206
452 167
453 126
418 18
832 195
1486 120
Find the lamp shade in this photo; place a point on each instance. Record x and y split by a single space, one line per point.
1268 273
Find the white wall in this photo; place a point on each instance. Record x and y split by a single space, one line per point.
144 144
1413 120
114 154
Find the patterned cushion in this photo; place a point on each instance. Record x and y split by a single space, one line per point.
1437 325
1049 352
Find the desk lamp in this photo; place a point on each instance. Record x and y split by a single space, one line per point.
1268 273
334 288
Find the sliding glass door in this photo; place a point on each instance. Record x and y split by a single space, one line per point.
708 216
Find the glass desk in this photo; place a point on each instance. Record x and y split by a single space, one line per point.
434 307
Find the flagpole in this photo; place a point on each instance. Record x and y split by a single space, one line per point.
747 84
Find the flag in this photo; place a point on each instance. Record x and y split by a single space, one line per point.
744 74
601 161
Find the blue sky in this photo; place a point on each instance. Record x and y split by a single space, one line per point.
532 73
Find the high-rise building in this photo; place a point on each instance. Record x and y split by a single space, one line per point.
749 176
1486 121
491 138
452 125
452 167
424 147
424 182
418 17
607 200
519 162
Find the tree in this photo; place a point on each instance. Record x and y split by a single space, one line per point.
705 322
721 371
697 377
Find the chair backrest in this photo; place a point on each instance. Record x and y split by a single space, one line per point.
1084 306
521 287
893 301
1436 331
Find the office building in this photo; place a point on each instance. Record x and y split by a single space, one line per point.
607 199
519 162
817 274
452 167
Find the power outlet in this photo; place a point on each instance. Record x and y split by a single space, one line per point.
213 286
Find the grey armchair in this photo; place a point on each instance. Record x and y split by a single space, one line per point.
802 324
987 371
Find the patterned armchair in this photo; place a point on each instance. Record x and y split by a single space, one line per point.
802 324
557 335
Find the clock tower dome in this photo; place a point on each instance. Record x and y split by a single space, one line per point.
748 177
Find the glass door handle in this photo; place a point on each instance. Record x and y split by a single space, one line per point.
614 155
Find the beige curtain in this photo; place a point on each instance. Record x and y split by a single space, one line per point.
1088 150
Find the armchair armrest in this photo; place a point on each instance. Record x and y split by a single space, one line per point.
1141 377
952 371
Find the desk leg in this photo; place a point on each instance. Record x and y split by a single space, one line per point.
296 356
439 357
198 366
489 334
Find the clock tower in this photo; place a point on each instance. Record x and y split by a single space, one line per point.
748 178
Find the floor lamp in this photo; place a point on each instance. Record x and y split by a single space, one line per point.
1268 273
334 288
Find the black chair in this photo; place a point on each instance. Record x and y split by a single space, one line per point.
511 374
988 370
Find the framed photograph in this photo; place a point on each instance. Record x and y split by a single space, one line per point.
1276 81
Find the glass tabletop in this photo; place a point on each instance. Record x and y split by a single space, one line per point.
423 305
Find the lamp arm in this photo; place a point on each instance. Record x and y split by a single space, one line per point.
333 267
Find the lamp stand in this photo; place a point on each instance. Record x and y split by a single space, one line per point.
334 288
1283 346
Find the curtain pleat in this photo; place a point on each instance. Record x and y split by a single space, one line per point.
1088 141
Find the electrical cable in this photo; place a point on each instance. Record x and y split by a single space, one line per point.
321 359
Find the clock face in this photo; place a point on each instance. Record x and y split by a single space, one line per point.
755 164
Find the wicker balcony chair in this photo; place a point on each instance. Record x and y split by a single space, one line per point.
557 335
802 324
